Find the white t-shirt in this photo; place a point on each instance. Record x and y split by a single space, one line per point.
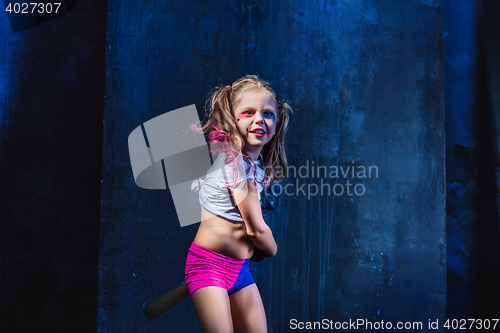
213 190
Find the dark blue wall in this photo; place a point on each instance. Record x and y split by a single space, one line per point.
472 80
51 110
366 81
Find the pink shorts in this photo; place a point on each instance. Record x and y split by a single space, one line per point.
205 268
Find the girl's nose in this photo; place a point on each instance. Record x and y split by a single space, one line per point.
259 119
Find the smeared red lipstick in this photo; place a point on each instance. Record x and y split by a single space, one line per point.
258 132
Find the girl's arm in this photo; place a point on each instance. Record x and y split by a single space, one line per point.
258 231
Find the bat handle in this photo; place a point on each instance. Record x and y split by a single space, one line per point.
161 305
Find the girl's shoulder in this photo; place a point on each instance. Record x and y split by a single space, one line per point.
225 169
239 166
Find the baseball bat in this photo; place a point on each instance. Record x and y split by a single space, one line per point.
161 305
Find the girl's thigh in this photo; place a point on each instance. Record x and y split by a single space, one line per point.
247 311
213 309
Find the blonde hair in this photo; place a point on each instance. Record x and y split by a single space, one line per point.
222 124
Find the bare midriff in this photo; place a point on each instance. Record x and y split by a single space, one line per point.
224 236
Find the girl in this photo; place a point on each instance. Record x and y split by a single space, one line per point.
247 122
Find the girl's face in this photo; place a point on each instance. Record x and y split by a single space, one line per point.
256 116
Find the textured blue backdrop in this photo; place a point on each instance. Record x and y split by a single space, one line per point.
366 81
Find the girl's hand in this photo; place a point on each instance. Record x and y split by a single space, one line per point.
258 255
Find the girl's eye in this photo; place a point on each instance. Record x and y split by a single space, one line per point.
269 114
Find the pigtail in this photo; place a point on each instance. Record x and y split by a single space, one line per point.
222 130
275 149
220 117
275 160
